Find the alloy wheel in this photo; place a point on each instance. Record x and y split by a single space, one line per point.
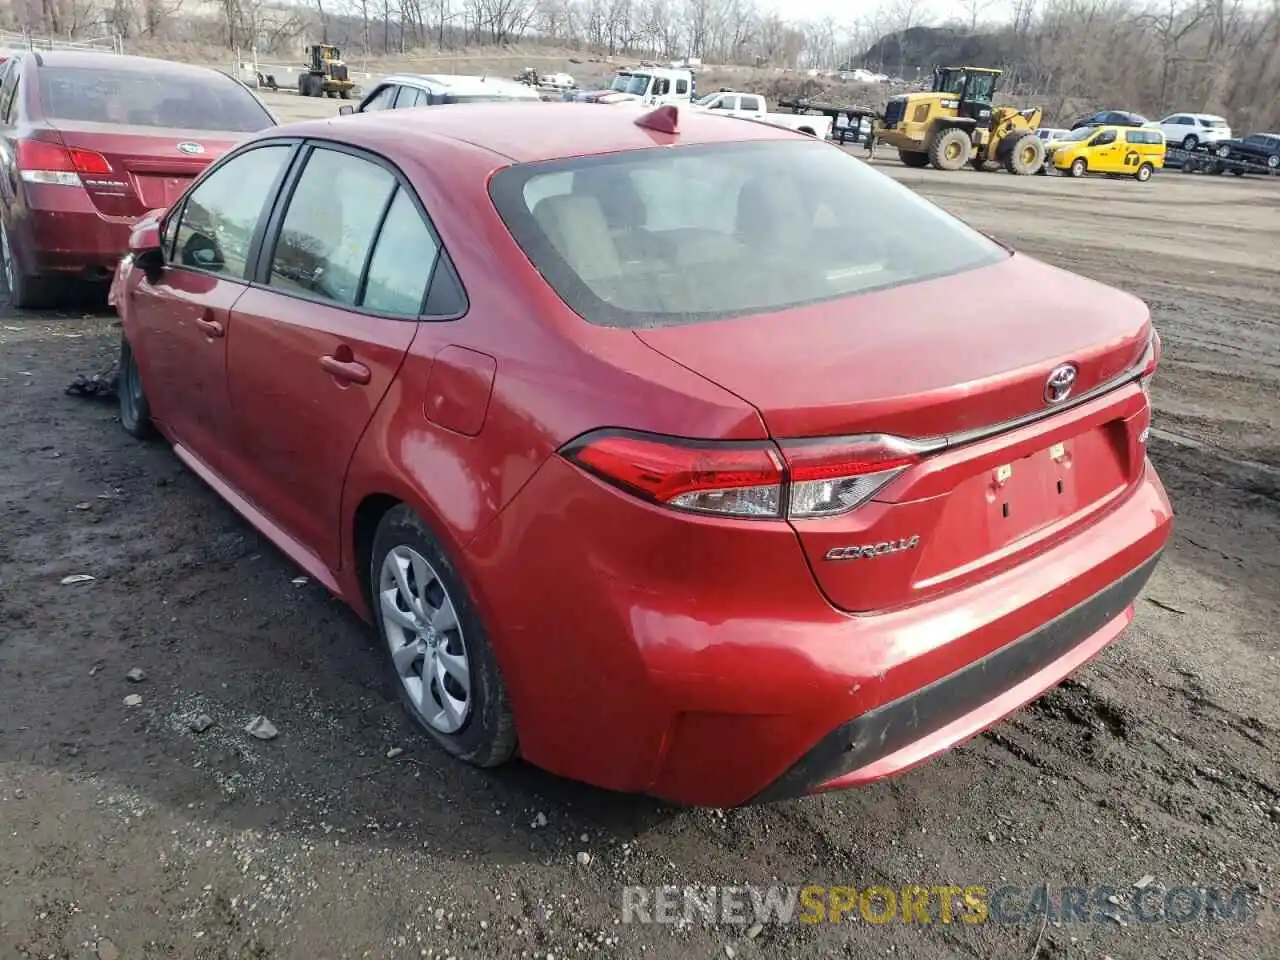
425 638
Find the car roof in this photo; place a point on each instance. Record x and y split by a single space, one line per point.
524 133
94 60
463 85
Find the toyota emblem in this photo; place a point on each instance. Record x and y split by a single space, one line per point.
190 148
1061 380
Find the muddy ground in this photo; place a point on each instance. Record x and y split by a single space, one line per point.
1161 759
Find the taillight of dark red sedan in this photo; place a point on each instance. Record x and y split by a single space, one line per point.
93 141
682 455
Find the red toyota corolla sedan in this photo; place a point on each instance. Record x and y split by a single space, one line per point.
676 453
91 141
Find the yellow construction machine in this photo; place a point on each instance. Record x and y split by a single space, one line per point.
955 123
325 73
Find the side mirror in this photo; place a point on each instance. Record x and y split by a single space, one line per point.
145 238
144 244
346 110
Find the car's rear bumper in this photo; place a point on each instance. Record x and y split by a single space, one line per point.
65 235
900 734
708 669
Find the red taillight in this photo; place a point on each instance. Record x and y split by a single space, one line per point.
1150 360
805 478
52 163
731 479
833 475
86 161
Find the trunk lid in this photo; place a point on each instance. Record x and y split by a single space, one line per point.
962 358
150 167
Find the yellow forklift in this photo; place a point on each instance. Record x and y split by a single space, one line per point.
326 73
955 123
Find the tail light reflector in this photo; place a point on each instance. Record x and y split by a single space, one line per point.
52 163
751 479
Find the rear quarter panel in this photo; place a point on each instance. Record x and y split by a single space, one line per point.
554 377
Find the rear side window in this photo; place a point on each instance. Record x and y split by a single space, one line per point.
218 220
750 103
657 237
135 98
402 262
329 226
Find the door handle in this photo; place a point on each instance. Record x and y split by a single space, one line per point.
210 326
348 371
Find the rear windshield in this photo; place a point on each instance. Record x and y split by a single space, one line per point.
1215 123
657 237
93 95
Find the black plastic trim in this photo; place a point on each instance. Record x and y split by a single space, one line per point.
882 731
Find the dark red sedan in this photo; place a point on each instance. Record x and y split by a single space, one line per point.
677 453
91 141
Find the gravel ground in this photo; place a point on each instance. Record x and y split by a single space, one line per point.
125 832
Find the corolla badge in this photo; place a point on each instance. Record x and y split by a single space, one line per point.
190 147
1061 380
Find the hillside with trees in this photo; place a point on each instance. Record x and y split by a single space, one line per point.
1154 56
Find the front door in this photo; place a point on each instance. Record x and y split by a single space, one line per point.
320 339
1106 155
181 314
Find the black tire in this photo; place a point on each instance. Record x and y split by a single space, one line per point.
913 158
1022 154
1078 167
135 410
1237 172
980 164
808 131
1190 142
304 85
345 93
26 292
1144 173
950 149
487 736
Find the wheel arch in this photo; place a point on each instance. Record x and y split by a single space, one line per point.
363 527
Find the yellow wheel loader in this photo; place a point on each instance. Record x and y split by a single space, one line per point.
955 123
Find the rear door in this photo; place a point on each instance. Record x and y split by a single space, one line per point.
321 335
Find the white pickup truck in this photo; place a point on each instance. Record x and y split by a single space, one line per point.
753 107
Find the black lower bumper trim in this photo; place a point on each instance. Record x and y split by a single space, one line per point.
888 728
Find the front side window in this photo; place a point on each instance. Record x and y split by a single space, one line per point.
142 99
381 100
221 214
411 97
679 235
329 226
1104 138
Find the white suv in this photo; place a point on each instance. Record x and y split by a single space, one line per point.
1189 130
